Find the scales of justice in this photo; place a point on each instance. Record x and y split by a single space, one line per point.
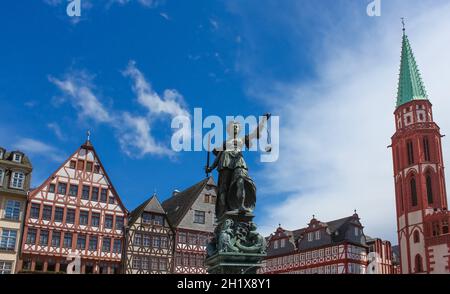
236 246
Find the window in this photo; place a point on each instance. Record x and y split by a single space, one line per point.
67 240
8 241
146 217
117 246
213 199
17 157
426 149
163 264
5 267
146 240
62 188
73 164
410 150
93 243
108 221
12 210
145 262
155 263
47 213
199 217
445 227
70 217
59 214
164 242
182 238
84 216
317 235
73 190
51 188
158 220
97 169
138 239
2 173
282 243
43 238
413 192
80 165
156 241
31 237
111 199
136 262
119 223
310 237
81 242
89 166
95 219
86 192
356 231
1 153
418 263
94 194
429 190
56 239
17 180
104 195
192 239
106 245
207 196
416 236
275 244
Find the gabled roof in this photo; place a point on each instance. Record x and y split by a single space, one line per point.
179 204
410 85
87 145
150 205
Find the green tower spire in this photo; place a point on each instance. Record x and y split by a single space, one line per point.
410 85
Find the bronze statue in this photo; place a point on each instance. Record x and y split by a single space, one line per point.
236 190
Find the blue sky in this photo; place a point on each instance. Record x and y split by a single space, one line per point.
326 68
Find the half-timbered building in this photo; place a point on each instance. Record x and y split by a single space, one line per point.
149 240
15 177
75 212
336 247
192 214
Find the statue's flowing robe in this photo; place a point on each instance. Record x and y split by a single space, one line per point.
232 168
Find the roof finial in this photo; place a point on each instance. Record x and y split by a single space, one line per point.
314 216
88 134
403 24
354 211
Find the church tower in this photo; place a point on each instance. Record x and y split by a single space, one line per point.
421 200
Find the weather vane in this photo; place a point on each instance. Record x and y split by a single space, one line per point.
403 23
88 133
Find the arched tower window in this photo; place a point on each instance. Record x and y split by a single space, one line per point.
419 263
426 149
410 150
429 189
416 236
413 192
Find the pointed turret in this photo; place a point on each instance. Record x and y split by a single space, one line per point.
410 85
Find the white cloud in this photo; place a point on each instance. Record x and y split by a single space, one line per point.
35 147
57 130
171 103
78 90
335 129
134 131
145 3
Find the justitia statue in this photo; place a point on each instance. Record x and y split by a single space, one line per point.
236 247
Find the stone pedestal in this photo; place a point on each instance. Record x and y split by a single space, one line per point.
236 248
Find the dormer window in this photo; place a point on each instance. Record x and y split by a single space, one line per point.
317 235
310 237
17 157
2 173
356 231
17 180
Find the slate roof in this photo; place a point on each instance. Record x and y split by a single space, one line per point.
179 204
150 205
